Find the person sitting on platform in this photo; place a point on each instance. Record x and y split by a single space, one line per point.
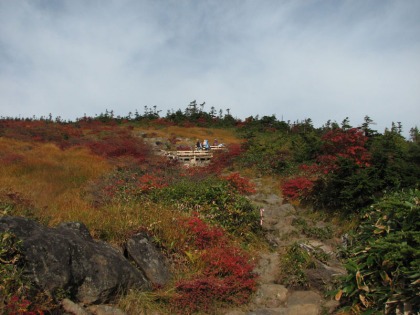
206 145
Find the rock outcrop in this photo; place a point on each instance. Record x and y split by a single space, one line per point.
66 259
148 258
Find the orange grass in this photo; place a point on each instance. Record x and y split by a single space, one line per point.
117 222
54 180
222 135
51 178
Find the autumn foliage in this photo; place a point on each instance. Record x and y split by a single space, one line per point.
226 275
337 145
239 183
297 188
348 144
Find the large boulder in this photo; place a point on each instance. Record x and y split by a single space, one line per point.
151 261
66 259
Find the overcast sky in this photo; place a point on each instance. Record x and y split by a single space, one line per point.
295 59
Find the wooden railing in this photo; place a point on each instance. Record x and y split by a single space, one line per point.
196 155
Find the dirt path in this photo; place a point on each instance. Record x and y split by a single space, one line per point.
285 226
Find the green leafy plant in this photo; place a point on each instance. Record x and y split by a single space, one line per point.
294 261
383 259
321 233
216 199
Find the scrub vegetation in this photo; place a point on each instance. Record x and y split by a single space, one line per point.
102 171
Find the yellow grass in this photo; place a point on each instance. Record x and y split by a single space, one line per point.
222 135
51 178
54 180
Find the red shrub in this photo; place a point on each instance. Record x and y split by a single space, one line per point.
162 122
18 305
123 185
148 182
201 121
225 158
226 277
338 143
240 184
297 188
188 124
239 124
184 148
202 234
10 158
120 145
173 140
349 144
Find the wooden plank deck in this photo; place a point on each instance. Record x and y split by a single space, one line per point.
192 155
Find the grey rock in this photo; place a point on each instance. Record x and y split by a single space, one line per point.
78 228
305 309
257 196
283 228
271 295
263 312
304 297
67 259
302 309
283 210
272 240
148 258
235 312
105 310
73 308
267 268
331 306
274 199
323 275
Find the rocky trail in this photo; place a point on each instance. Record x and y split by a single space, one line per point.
67 257
285 226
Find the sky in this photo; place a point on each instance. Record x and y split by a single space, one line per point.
323 60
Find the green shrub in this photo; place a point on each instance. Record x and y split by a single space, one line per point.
321 233
293 263
383 259
216 200
348 188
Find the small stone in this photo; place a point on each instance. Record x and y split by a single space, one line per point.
105 310
287 208
73 308
304 297
262 312
267 268
274 199
235 313
302 309
331 306
271 295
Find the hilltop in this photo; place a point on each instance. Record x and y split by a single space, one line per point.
207 221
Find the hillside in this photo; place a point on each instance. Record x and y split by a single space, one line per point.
208 221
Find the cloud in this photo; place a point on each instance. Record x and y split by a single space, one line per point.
314 59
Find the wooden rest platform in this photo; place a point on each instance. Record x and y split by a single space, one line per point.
192 155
